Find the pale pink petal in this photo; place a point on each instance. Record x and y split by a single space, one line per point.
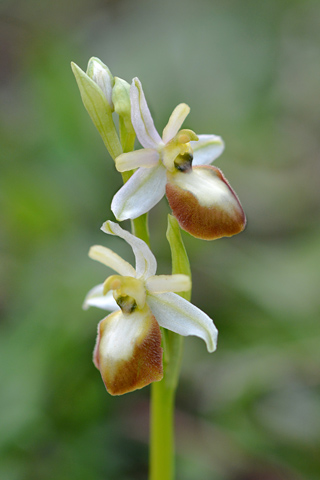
176 119
146 157
168 283
110 259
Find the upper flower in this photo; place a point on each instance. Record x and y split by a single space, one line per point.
128 352
176 164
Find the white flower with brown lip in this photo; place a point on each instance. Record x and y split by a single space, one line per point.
128 351
177 164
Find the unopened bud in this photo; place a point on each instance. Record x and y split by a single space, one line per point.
121 97
122 106
97 104
102 76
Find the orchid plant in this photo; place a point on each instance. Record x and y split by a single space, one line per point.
140 342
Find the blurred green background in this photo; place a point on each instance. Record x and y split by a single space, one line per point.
250 72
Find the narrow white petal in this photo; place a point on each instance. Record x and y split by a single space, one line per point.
110 259
168 283
146 157
206 149
140 193
146 263
176 119
141 117
95 298
180 316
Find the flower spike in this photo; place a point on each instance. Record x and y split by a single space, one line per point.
128 349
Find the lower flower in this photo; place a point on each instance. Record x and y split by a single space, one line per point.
128 349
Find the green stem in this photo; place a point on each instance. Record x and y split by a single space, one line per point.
162 464
127 136
163 392
172 358
162 432
140 228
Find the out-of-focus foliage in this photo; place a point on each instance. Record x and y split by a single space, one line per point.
250 72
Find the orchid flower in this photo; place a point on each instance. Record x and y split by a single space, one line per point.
128 349
177 164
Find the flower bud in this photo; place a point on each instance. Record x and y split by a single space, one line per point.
96 103
122 106
121 97
102 76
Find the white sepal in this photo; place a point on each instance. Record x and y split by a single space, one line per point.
177 314
141 117
206 149
95 298
146 264
140 193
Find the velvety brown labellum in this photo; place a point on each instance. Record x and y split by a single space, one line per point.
214 219
142 366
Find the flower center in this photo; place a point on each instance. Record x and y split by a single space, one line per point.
126 303
178 154
128 292
183 161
